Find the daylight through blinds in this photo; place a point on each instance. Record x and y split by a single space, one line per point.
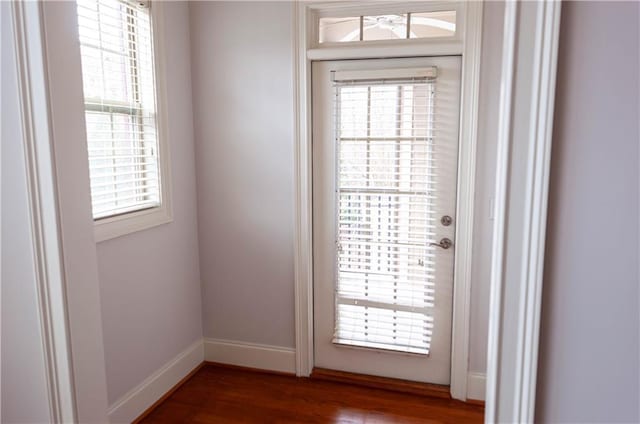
120 106
387 155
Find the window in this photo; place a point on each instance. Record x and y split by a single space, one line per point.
386 193
123 140
387 26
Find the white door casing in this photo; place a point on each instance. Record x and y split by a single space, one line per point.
306 49
529 63
62 228
437 263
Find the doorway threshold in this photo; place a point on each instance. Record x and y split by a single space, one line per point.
384 383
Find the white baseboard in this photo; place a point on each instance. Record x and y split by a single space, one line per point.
272 358
476 383
137 400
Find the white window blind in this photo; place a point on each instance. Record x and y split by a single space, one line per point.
387 160
116 44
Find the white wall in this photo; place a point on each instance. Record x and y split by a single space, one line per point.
243 120
589 353
23 385
149 280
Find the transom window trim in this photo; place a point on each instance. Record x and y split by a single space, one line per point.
384 9
152 123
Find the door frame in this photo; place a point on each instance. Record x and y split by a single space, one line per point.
525 123
527 99
47 255
60 219
466 43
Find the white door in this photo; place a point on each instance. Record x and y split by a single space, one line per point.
385 147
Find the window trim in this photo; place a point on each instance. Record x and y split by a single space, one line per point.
131 222
316 48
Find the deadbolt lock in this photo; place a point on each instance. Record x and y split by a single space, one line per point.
446 220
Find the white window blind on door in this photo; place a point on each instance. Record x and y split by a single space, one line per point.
387 170
116 44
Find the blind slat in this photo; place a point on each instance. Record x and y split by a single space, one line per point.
388 158
116 43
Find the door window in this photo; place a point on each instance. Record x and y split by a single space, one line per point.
385 178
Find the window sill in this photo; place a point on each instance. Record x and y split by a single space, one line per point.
117 226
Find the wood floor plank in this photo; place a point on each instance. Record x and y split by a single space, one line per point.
225 395
403 386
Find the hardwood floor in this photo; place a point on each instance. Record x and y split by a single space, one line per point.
217 394
370 381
